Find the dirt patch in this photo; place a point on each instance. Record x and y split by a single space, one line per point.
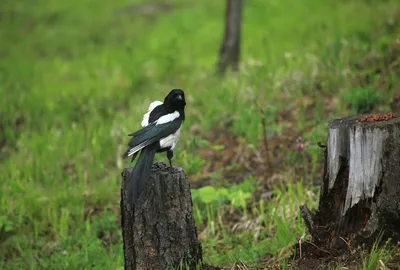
315 258
276 154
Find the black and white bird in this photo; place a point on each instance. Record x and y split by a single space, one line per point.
160 133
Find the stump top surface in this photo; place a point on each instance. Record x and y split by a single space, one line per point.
366 120
160 167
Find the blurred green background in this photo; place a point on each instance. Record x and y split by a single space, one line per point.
76 77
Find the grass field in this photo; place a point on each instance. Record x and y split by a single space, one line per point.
76 78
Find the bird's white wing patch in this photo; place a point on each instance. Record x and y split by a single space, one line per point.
138 147
167 118
171 140
154 104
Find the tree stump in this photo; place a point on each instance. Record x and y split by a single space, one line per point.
159 230
360 192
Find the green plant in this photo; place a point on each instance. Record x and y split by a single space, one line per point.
362 100
6 225
186 266
378 256
191 161
236 195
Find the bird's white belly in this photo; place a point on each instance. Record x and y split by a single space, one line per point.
171 140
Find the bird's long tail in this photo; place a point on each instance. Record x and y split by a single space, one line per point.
141 172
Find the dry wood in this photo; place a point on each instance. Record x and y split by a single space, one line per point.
159 231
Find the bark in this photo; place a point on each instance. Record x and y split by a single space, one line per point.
360 192
230 47
159 230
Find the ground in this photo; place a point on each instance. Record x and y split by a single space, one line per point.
76 78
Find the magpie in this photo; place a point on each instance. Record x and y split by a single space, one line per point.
161 128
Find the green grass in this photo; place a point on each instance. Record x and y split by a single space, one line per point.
378 256
76 77
245 231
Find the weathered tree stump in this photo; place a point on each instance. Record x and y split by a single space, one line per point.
360 192
159 230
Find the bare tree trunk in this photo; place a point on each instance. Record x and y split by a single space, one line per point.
360 193
230 47
159 230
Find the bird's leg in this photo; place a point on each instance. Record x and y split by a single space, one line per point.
170 154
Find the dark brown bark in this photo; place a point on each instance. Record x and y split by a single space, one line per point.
360 193
159 231
230 47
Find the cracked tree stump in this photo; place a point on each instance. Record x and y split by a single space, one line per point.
360 192
159 230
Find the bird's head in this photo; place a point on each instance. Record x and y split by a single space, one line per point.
176 99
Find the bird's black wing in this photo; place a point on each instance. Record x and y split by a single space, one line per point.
156 113
150 134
